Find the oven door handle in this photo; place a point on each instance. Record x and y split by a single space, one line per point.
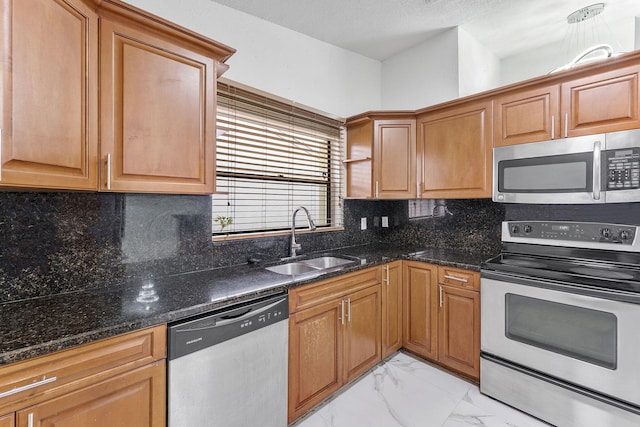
597 161
577 289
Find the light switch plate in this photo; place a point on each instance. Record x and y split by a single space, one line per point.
363 223
385 221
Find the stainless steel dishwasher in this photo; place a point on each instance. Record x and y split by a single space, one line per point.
229 368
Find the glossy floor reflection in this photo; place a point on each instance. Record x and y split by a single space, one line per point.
407 392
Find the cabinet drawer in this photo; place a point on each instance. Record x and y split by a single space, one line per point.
326 290
38 379
458 277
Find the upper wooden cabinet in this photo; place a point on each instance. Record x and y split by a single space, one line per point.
8 420
157 86
381 157
528 115
454 151
603 102
589 104
49 93
158 113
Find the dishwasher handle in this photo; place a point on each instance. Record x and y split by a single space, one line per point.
191 335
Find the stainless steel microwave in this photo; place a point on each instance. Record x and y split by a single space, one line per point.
603 168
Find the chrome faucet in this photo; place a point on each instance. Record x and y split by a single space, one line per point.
295 246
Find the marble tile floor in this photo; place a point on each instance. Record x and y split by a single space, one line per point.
404 391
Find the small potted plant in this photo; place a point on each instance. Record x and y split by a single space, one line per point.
224 221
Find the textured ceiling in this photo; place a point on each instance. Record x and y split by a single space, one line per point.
380 28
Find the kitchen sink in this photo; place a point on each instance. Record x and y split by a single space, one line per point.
312 267
327 262
292 268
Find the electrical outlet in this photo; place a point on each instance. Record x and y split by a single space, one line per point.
385 221
363 223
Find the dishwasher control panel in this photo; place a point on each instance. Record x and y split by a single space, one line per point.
191 335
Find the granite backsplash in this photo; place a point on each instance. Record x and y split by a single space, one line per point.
54 243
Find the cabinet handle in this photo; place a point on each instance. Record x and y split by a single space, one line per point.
386 269
459 279
566 125
108 171
377 190
349 309
30 419
553 127
43 381
342 311
440 289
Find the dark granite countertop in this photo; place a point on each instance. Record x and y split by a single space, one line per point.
39 326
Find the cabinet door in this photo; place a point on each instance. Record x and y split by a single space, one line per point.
459 330
362 334
315 349
8 420
158 114
420 309
391 308
395 159
49 93
604 102
454 152
525 116
134 399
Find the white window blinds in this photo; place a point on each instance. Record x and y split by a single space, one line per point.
273 157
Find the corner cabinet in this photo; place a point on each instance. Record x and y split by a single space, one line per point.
115 382
155 122
455 151
380 159
334 336
49 128
442 316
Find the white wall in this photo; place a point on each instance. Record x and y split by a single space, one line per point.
478 67
539 62
280 61
423 75
637 42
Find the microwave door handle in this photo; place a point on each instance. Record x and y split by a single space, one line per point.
597 158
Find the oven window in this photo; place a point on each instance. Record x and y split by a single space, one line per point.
577 332
552 174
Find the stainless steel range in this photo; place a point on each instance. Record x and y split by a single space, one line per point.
560 322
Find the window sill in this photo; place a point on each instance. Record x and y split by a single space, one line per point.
244 236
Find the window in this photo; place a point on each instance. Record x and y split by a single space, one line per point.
273 156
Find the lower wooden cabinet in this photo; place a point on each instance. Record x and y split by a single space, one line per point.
7 420
459 330
133 399
442 316
420 309
334 340
391 308
117 382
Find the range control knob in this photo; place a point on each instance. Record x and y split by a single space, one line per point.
605 232
624 235
527 229
515 229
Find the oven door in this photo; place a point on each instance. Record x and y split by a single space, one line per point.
588 341
549 172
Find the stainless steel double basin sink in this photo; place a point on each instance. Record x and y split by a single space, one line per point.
312 267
